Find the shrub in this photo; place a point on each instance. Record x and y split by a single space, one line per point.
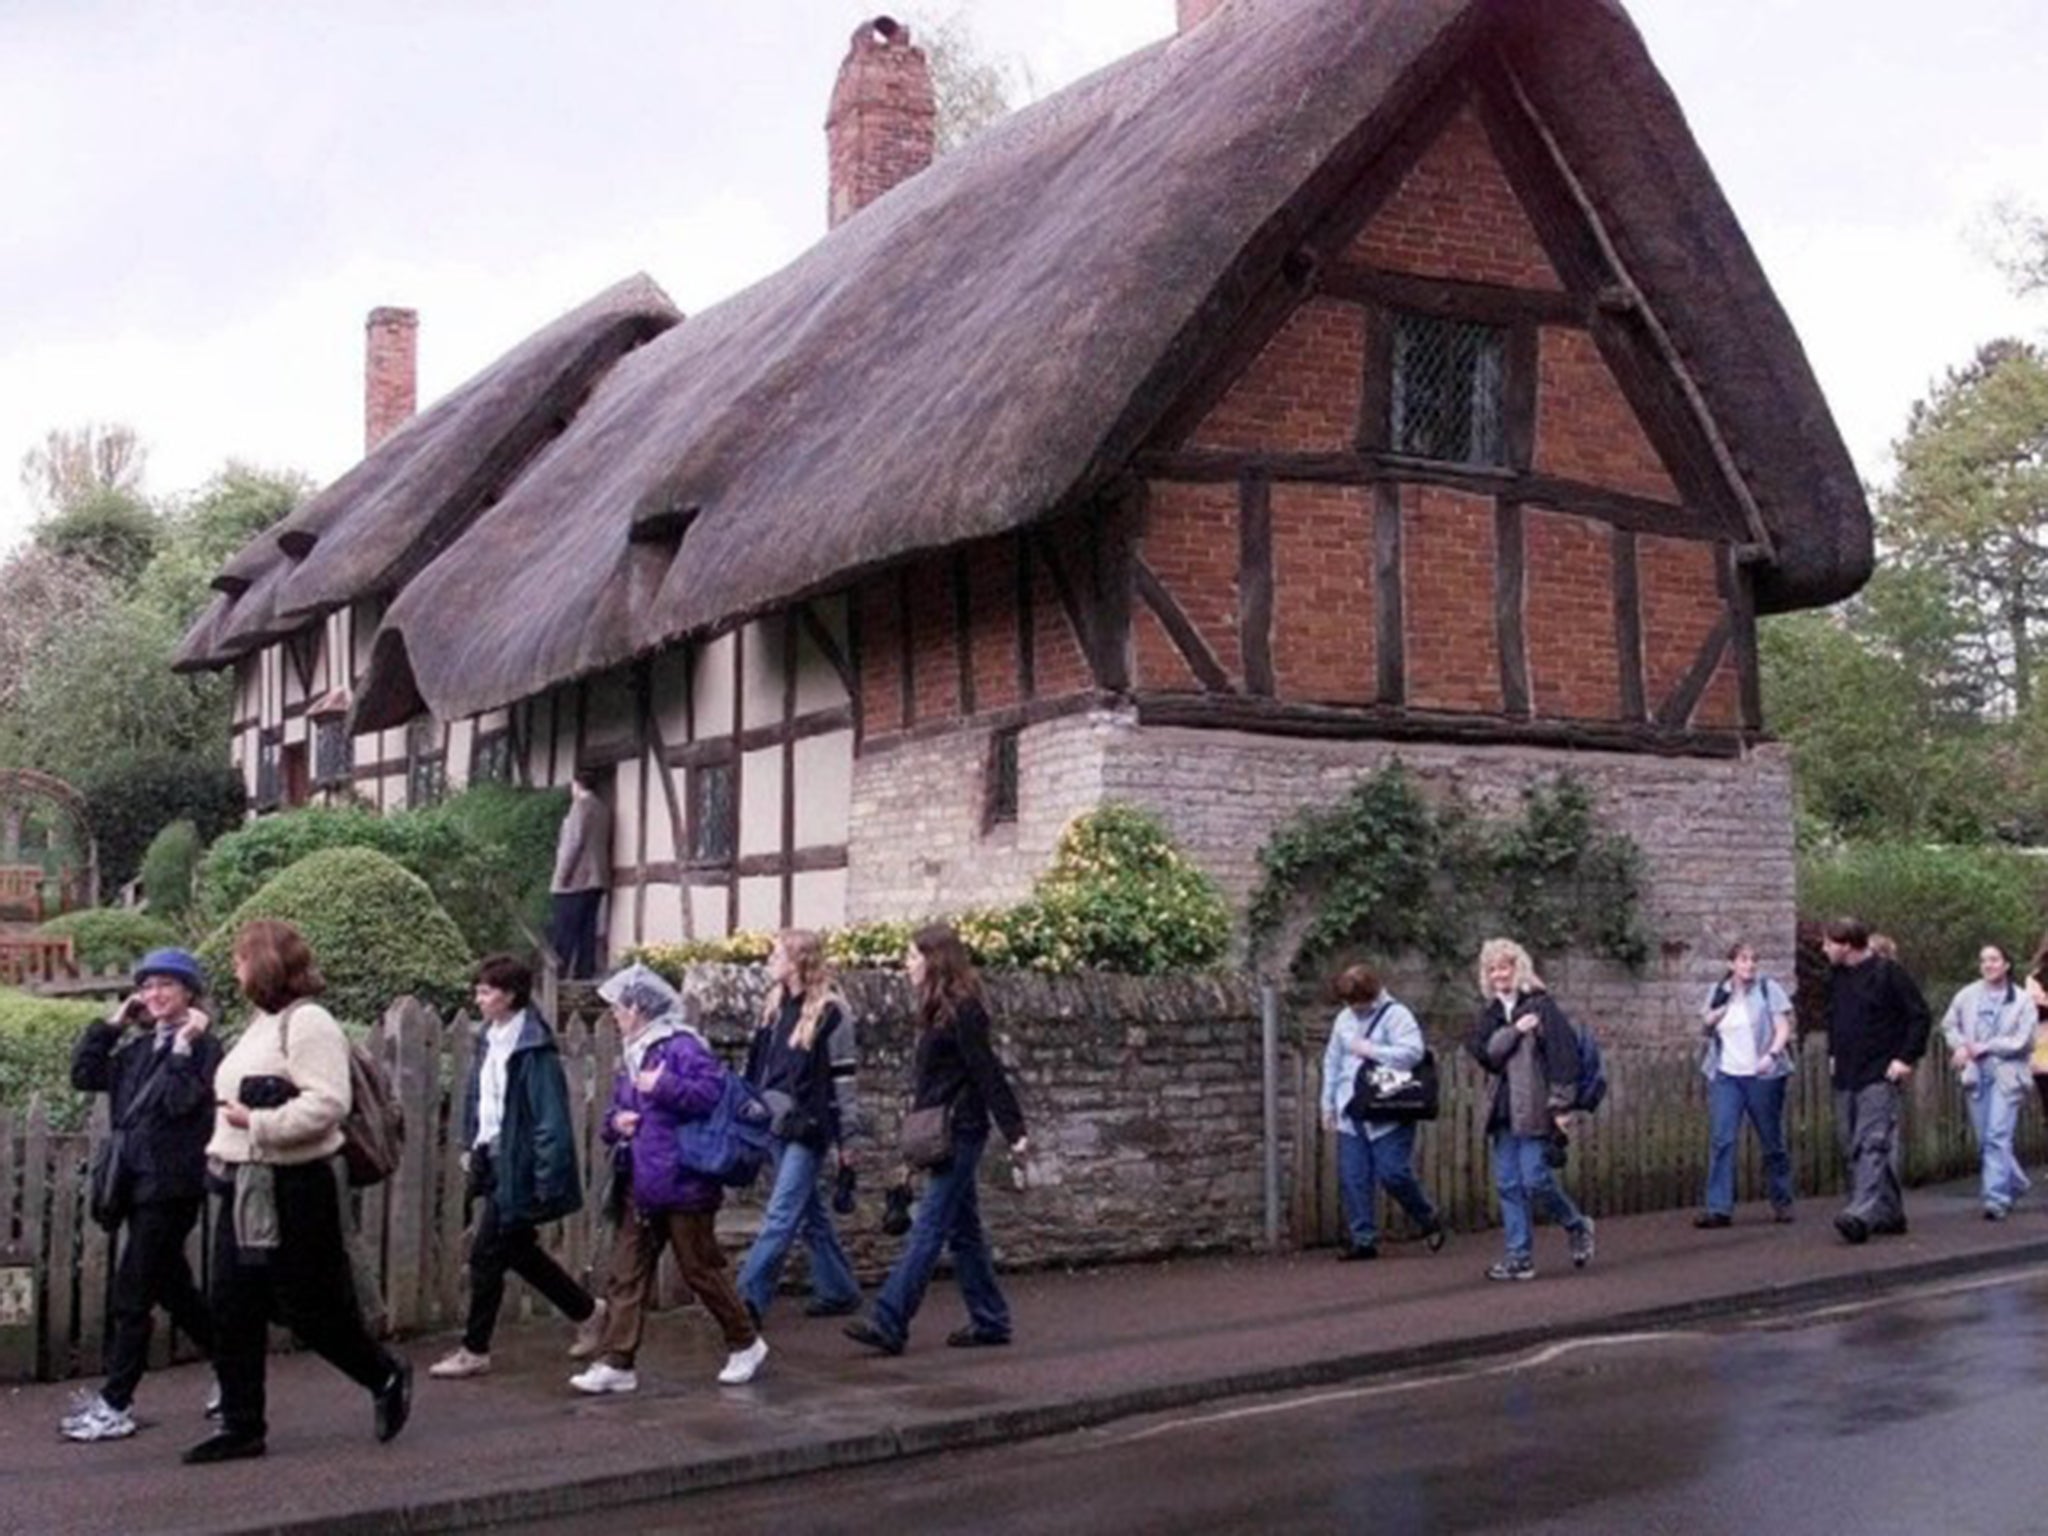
1941 905
132 796
168 869
375 929
111 938
36 1036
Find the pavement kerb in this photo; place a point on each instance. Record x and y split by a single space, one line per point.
1024 1421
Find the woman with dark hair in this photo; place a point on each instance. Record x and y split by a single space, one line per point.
1990 1032
1373 1029
159 1086
1747 1059
956 1066
280 1253
521 1166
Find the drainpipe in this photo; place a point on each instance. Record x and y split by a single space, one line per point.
1269 1087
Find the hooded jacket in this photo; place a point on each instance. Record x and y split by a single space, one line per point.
688 1089
534 1157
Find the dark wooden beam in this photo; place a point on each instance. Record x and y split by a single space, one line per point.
1676 711
1509 633
1255 584
828 647
904 646
1238 712
1081 616
792 629
718 749
1447 298
1519 387
1741 600
1390 646
1376 392
1015 715
1027 631
856 661
963 629
1628 625
1181 630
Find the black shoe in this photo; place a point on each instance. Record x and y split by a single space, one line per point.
861 1331
394 1402
1357 1252
1896 1227
817 1308
1853 1228
1707 1219
1433 1238
974 1338
228 1445
1782 1214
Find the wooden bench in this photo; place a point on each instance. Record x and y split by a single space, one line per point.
32 960
21 892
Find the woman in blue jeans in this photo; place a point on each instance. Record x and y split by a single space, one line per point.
956 1065
1990 1033
1373 1028
1524 1039
1747 1062
802 1062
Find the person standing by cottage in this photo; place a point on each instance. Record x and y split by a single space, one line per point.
521 1166
1747 1062
583 874
1990 1031
667 1076
1523 1039
159 1086
956 1065
802 1062
1878 1025
275 1173
1373 1028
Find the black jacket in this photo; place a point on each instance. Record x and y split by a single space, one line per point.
164 1151
1556 1049
776 1066
957 1064
1876 1016
534 1164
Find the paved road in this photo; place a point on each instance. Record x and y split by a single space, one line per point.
1913 1415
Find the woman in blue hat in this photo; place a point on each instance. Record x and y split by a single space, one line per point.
154 1059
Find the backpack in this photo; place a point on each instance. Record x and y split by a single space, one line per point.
1592 1085
373 1130
731 1143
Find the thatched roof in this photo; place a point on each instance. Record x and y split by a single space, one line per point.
993 339
372 529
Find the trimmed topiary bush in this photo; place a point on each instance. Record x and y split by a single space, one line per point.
168 869
111 938
132 796
375 929
36 1037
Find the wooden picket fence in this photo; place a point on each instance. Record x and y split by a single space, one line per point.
1646 1149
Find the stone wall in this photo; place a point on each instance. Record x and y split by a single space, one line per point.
1142 1101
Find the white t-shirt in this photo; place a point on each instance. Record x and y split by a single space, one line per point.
1738 1038
490 1099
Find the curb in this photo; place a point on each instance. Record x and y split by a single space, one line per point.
1026 1421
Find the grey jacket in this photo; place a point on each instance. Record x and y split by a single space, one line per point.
583 854
2009 1042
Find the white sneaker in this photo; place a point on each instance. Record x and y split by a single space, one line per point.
741 1364
98 1421
459 1365
84 1403
212 1408
601 1378
589 1333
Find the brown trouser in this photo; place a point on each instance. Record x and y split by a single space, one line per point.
692 1236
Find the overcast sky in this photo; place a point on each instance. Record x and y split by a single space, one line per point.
200 200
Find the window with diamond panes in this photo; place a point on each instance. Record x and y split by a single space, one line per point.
1447 390
491 760
1003 778
426 770
333 751
714 815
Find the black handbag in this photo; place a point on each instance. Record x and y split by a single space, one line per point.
926 1140
1403 1099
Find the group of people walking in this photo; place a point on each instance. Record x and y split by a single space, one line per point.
256 1131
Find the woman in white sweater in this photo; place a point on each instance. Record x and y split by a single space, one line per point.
280 1254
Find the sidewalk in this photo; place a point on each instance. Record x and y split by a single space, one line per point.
1090 1347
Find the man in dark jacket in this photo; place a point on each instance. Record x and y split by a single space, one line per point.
522 1167
154 1059
1877 1031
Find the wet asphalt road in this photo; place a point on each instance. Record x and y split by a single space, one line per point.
1920 1414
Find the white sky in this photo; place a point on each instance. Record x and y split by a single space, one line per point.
203 198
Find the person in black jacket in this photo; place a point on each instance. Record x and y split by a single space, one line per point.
956 1065
154 1059
1878 1025
522 1167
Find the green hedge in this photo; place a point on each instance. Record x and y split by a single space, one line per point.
169 868
36 1036
132 796
1940 905
111 938
375 928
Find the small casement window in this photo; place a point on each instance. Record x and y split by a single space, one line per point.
1447 390
426 766
1002 779
490 761
334 751
269 778
714 813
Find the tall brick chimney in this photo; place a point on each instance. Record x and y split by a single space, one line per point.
391 386
1194 12
883 125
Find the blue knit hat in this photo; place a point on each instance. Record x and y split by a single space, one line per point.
178 964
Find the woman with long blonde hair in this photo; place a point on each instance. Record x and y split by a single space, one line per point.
802 1062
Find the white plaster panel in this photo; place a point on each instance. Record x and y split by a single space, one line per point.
461 759
707 910
824 788
668 683
763 673
625 799
817 681
712 700
661 826
761 904
818 898
761 801
661 919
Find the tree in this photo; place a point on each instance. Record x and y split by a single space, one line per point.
70 465
238 503
41 594
971 91
114 531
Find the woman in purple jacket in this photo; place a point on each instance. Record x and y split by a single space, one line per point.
668 1076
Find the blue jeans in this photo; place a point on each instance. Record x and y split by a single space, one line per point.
1763 1100
1523 1181
1994 1112
1363 1164
948 1217
795 1206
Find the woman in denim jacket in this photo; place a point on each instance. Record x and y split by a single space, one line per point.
1990 1032
1747 1061
1373 1027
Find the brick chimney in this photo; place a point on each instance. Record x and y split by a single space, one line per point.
1194 12
391 386
883 126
